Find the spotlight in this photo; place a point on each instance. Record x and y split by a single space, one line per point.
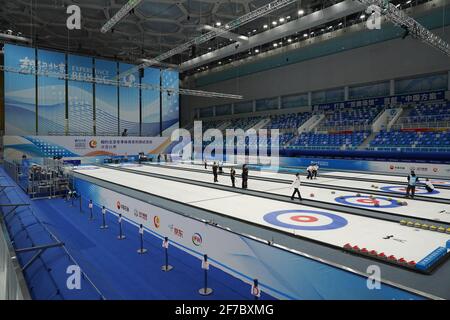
301 12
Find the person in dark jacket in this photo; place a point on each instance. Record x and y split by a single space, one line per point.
215 168
412 182
244 176
233 177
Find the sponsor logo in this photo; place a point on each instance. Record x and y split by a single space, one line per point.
122 206
197 239
80 143
93 144
140 214
176 231
156 222
397 168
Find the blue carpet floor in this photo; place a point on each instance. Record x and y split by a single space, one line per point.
113 266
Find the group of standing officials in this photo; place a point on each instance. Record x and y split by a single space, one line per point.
217 168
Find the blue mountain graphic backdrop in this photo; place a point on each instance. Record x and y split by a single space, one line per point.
42 110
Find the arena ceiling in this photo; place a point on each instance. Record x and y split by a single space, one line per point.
153 28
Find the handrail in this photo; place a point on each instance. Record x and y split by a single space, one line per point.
12 270
53 236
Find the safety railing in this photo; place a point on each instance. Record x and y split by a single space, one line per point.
320 147
413 122
410 149
13 285
12 282
336 126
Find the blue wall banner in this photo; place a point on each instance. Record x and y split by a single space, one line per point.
51 93
81 109
36 103
129 101
106 104
151 103
170 102
20 93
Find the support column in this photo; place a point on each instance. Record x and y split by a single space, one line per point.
346 93
392 87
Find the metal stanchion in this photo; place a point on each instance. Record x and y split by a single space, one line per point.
205 291
103 226
121 236
256 292
166 267
91 210
142 250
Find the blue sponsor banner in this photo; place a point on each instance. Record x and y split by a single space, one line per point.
326 163
400 99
